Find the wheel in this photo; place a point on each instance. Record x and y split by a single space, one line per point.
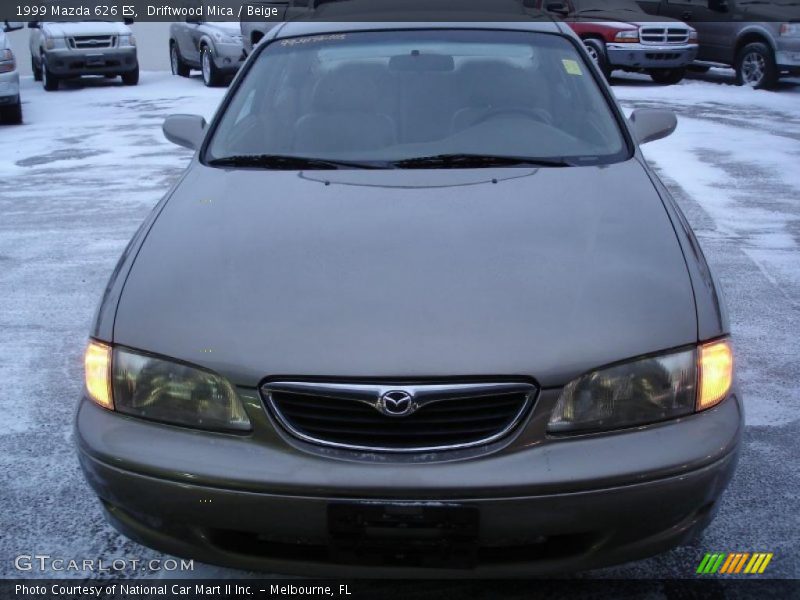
755 66
49 81
179 67
37 70
131 77
597 52
667 76
211 75
12 115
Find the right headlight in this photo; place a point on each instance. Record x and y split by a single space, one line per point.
646 390
162 390
51 43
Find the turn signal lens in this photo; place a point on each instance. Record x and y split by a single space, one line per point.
716 373
97 367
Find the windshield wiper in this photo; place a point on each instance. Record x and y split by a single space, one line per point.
281 162
477 161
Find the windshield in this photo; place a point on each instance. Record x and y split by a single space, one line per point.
389 99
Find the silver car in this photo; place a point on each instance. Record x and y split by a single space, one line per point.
417 307
10 103
214 48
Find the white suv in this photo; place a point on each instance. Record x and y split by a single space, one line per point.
10 105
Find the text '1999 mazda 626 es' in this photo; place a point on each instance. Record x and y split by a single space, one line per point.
418 306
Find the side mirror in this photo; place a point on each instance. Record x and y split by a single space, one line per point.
718 5
33 25
185 130
558 8
650 124
12 26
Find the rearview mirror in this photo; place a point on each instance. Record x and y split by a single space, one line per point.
12 26
419 62
718 5
558 8
651 124
185 130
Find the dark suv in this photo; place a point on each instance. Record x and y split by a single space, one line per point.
758 38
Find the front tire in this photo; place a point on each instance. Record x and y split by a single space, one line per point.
50 82
667 76
37 70
12 115
176 63
597 52
211 75
131 77
755 67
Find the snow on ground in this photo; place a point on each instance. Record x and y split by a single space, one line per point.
90 162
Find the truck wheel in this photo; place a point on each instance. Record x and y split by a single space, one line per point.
49 81
179 67
211 75
37 71
12 115
755 66
131 77
667 76
597 52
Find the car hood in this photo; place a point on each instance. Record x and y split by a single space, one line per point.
610 17
229 28
86 28
546 273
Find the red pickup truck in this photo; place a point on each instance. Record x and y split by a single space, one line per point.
618 34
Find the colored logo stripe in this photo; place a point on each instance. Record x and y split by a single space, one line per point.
734 562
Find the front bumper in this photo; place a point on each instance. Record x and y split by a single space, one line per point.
9 88
646 56
229 58
259 502
74 63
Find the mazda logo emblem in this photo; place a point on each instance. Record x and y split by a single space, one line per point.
396 403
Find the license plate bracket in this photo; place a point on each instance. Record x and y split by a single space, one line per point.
415 534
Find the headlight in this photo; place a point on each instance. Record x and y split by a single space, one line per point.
161 390
631 36
645 391
790 29
693 36
7 61
52 43
127 40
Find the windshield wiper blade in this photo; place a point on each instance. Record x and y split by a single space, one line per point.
281 162
473 161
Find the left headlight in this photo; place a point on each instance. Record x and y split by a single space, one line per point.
7 61
127 40
645 391
161 390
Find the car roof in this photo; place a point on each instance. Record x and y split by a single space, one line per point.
359 15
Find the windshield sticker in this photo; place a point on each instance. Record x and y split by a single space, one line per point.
571 66
314 39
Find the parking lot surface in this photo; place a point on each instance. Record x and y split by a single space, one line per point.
90 162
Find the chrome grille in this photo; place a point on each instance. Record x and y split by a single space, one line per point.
664 35
92 42
360 417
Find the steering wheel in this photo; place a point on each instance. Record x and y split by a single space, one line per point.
537 114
